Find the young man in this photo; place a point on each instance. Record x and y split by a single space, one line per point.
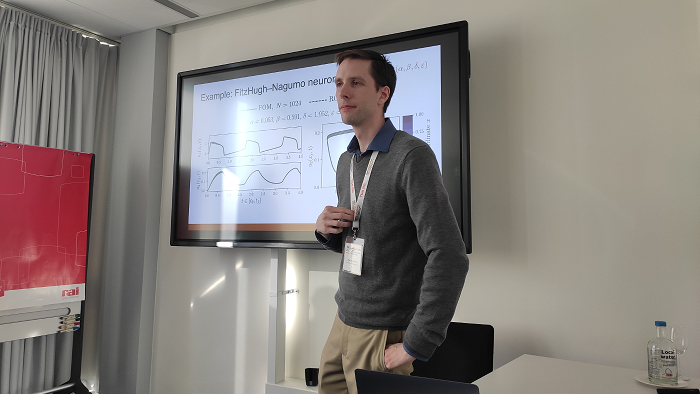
404 261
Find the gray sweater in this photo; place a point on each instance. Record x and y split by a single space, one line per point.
415 261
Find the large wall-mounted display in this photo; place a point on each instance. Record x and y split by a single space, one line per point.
258 141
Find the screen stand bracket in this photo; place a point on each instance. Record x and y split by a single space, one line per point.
277 309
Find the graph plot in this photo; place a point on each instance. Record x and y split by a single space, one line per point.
254 143
337 136
254 177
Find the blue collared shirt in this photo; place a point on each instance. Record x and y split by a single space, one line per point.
381 141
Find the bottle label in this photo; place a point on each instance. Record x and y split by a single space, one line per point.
667 363
662 366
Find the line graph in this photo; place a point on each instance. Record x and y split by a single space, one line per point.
254 177
254 143
337 136
336 144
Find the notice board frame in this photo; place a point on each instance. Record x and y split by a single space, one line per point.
26 274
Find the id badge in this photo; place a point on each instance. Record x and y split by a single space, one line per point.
352 260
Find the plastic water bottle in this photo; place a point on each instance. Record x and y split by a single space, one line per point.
661 355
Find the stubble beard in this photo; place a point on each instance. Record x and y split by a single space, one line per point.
353 119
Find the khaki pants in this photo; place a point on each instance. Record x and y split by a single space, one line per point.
348 349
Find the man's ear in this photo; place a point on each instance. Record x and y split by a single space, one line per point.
384 96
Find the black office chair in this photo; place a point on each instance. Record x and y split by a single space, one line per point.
464 356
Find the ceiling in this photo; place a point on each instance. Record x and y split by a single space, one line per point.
114 19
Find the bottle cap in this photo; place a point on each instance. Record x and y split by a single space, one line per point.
660 323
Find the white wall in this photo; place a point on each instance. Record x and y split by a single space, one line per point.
585 136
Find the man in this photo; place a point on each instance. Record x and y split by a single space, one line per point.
404 261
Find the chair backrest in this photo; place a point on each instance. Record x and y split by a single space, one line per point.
375 382
464 356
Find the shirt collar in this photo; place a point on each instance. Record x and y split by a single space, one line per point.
380 142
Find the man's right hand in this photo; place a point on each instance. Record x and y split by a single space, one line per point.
332 220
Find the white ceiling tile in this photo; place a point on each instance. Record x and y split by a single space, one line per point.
78 16
114 19
141 14
213 7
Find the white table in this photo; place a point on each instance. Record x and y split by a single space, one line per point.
542 375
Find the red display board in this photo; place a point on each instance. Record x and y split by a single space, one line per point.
44 206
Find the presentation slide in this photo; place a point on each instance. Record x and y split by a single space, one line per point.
265 147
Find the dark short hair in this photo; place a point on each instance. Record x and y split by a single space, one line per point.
381 69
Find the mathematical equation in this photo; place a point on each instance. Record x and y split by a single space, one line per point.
413 66
294 116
